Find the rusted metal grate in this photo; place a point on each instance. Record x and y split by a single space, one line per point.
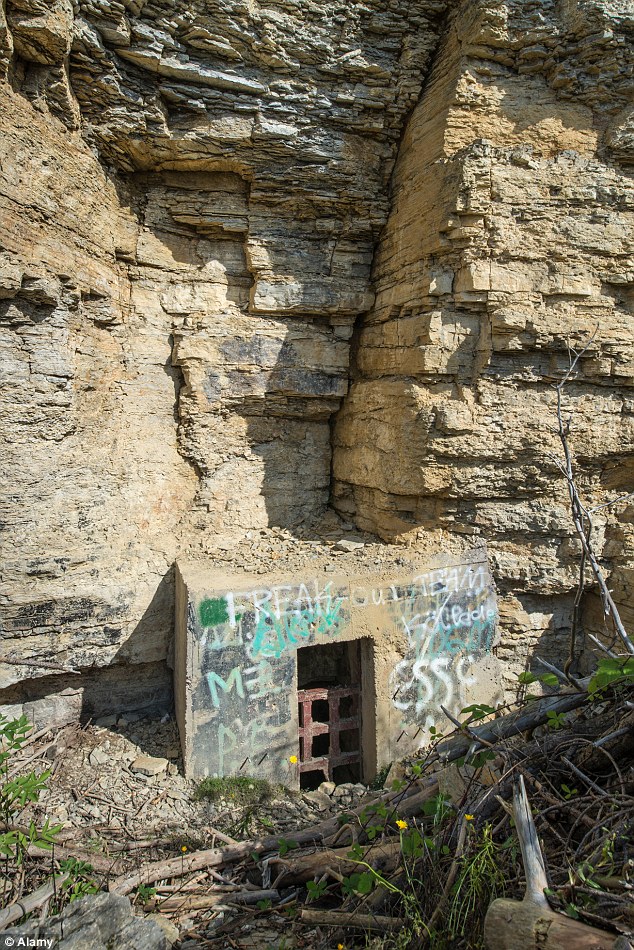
338 712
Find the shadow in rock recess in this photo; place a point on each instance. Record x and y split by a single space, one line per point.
127 684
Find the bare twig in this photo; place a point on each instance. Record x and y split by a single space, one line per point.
561 676
584 778
337 918
464 727
608 504
583 522
602 646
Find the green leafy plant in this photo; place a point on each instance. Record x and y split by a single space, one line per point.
439 807
316 889
611 671
380 779
481 758
79 882
286 846
362 882
479 881
413 844
17 792
145 893
476 711
526 678
555 720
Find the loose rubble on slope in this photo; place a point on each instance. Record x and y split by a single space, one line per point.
120 779
420 862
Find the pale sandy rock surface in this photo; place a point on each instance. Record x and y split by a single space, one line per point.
260 257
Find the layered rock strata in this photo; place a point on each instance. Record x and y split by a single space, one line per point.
191 197
509 246
194 218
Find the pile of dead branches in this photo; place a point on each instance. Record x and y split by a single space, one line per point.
420 867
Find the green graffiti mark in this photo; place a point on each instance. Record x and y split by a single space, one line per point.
213 612
233 680
273 637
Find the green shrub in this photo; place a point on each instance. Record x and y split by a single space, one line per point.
16 793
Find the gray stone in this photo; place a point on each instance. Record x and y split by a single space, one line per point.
98 757
349 545
98 922
149 765
320 799
327 788
169 929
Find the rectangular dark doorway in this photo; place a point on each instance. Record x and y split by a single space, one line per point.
329 678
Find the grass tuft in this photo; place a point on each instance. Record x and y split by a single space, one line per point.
239 789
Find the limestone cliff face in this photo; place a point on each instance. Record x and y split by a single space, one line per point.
510 238
197 203
191 194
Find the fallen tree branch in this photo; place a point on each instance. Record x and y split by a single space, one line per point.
99 862
26 905
523 720
189 902
336 918
299 868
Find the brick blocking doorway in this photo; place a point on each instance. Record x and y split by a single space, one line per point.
330 680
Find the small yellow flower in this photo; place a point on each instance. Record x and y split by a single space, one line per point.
401 825
469 817
184 848
293 760
340 946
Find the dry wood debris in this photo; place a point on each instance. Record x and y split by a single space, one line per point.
420 864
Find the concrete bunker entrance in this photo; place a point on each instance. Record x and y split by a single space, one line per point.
331 697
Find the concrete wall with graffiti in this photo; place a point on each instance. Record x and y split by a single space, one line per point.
432 634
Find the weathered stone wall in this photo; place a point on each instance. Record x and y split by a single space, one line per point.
193 208
190 199
510 237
